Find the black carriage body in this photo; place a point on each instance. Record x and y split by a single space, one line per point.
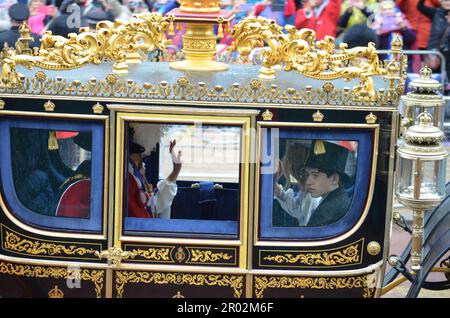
239 243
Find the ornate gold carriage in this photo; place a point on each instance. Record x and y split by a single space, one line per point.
227 236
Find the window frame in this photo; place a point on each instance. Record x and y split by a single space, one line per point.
92 228
123 118
310 236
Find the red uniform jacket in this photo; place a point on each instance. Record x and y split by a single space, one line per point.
137 200
323 22
75 202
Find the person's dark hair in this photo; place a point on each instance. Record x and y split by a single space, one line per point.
360 35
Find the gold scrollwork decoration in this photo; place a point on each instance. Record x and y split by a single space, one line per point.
114 41
125 277
13 242
261 283
93 275
298 50
154 254
348 255
207 256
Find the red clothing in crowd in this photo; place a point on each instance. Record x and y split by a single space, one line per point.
289 8
323 20
419 22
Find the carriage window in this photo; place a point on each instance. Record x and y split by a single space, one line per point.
53 172
183 178
312 175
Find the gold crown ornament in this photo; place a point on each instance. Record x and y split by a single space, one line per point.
55 293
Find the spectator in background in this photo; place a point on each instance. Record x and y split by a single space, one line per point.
60 24
290 9
265 9
354 12
360 35
5 24
119 11
319 15
18 13
420 22
95 16
440 32
40 15
388 22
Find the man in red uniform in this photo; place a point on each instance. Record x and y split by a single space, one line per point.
75 200
142 201
322 16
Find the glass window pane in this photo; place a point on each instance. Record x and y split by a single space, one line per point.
52 171
198 194
307 180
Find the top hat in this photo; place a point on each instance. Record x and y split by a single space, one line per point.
19 12
136 148
329 158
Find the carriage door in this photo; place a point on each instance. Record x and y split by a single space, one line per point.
180 232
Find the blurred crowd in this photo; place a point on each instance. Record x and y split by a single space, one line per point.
422 24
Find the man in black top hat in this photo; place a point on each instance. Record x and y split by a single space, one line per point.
18 13
325 177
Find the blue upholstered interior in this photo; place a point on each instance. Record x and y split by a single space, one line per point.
94 222
196 210
365 139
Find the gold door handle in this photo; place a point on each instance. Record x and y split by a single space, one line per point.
115 255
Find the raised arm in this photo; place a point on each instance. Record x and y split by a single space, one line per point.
176 160
425 10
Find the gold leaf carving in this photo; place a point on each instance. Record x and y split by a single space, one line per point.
14 242
348 255
125 277
111 40
155 254
330 283
298 50
204 256
96 276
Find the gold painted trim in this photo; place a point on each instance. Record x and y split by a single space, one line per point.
282 282
205 256
175 110
182 90
243 122
153 253
52 115
210 103
42 232
363 216
95 276
233 281
348 255
21 244
390 196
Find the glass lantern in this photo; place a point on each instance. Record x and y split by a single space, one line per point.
423 95
420 183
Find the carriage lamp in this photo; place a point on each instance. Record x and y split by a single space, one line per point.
423 94
420 183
